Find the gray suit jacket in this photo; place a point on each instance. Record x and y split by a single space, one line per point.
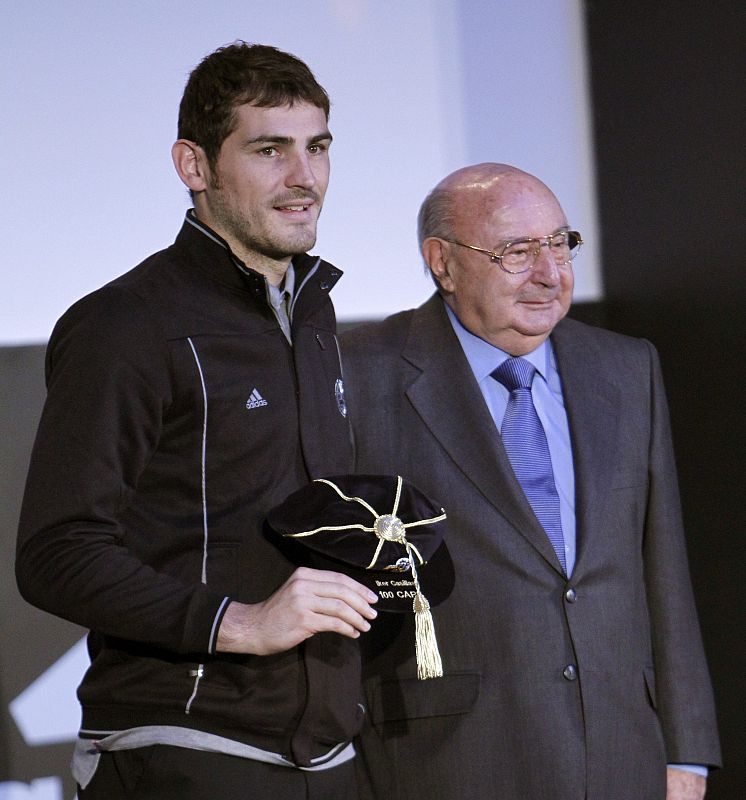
553 688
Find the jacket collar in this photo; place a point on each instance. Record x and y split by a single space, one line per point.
594 405
448 399
209 254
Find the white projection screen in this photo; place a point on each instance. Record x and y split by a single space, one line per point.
90 92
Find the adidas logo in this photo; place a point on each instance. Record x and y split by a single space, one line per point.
255 400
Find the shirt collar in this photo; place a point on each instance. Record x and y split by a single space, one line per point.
278 294
484 357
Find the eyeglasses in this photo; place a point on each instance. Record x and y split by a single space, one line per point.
521 255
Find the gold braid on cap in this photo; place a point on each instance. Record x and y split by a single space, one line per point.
386 527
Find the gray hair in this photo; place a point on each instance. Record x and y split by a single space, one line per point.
436 217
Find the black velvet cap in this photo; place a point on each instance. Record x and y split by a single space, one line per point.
373 528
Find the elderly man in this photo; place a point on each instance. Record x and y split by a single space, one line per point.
573 662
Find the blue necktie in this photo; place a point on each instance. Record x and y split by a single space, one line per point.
526 444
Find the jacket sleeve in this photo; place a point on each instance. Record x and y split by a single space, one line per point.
108 385
683 689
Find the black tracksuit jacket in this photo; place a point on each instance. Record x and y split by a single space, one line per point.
177 415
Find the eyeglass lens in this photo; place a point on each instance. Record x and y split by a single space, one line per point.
522 255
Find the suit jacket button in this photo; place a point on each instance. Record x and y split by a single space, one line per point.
570 672
571 595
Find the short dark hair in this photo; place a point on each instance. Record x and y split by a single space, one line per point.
237 74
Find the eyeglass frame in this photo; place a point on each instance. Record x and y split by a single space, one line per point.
543 241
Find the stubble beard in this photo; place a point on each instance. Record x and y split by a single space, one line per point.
253 234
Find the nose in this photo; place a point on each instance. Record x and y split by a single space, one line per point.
300 172
546 270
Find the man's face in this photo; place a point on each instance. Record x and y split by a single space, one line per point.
514 312
267 187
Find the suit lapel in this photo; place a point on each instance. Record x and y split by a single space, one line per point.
447 398
592 404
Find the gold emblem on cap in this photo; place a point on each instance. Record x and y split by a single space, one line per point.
390 528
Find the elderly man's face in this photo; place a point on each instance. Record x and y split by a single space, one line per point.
514 312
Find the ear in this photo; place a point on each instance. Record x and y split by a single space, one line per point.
191 164
435 252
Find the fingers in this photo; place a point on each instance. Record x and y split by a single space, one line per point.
342 604
336 584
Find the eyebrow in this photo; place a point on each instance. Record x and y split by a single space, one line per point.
562 229
268 138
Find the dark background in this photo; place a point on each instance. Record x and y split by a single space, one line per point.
668 87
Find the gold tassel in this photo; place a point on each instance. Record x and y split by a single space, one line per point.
429 664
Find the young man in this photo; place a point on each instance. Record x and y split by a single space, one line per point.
185 399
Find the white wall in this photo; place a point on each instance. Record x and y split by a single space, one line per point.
89 92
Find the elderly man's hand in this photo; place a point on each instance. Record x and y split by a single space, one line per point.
684 785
